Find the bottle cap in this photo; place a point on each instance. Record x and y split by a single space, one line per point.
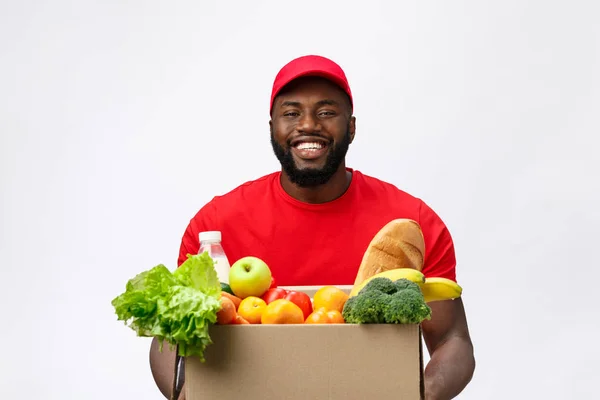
211 236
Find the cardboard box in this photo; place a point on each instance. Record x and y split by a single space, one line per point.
308 362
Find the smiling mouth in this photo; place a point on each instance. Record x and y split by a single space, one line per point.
309 146
309 150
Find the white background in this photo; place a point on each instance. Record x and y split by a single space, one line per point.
120 119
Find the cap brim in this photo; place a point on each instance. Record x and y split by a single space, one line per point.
318 73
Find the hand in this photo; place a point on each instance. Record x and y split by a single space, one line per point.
181 394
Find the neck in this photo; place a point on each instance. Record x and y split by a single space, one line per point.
337 186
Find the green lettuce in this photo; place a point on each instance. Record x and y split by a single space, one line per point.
177 308
196 273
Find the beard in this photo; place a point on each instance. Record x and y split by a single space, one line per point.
311 177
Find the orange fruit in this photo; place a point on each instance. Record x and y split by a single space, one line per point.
282 311
318 317
335 317
322 316
330 298
251 309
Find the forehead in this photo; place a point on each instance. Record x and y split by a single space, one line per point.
312 87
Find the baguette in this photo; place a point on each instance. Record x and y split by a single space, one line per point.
399 244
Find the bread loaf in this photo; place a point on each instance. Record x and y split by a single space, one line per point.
399 244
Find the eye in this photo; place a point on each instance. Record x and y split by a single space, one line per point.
326 113
291 114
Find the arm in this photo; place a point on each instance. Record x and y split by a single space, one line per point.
162 365
452 361
446 335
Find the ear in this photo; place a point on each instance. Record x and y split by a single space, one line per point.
271 126
352 128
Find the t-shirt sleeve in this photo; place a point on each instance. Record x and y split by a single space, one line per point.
204 220
440 259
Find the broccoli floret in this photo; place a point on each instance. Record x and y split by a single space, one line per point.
383 301
381 284
406 307
365 308
348 310
403 283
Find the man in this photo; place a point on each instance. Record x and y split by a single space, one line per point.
313 220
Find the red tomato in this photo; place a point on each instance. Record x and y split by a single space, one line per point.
274 294
302 300
273 283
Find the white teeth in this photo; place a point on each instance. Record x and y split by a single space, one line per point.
310 146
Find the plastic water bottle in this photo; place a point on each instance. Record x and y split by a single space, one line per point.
211 242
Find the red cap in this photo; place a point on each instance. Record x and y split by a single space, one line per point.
310 66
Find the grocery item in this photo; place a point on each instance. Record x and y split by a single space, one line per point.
302 300
282 311
273 283
274 294
236 300
317 317
226 315
210 242
249 276
330 298
251 309
383 301
399 244
177 308
335 317
226 288
438 288
239 320
393 274
323 316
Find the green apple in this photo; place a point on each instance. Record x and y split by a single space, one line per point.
249 276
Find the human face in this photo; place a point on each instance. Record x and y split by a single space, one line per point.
311 130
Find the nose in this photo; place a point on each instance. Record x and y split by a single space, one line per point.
308 123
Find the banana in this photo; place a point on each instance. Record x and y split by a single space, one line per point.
394 274
436 289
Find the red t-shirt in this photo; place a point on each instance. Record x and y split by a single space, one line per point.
315 244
